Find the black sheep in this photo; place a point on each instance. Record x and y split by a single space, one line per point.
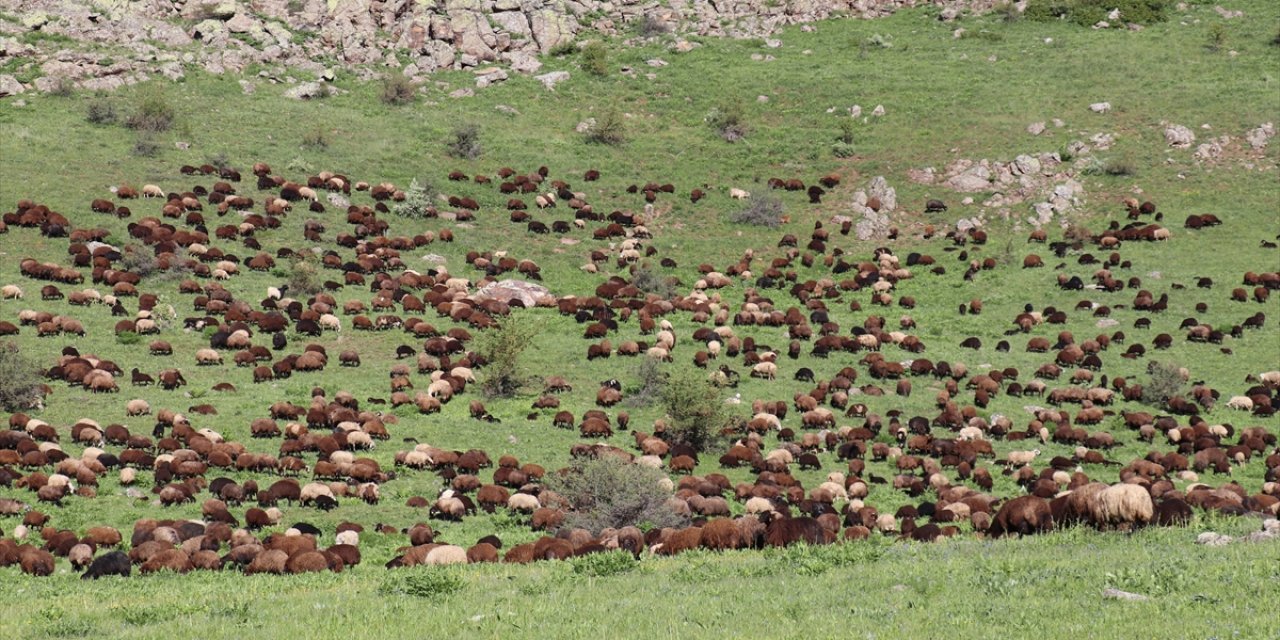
115 563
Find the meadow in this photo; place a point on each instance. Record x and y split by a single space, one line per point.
944 97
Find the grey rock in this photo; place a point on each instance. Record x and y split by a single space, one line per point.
1100 107
1259 137
1035 128
9 86
306 91
508 290
550 80
1116 594
1179 136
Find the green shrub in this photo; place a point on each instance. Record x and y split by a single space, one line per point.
417 200
1009 12
1216 39
609 129
610 563
728 120
612 492
397 89
62 88
595 59
465 142
1090 12
304 277
566 48
501 346
761 210
843 149
653 380
128 338
1164 381
315 138
146 146
650 280
152 114
433 583
651 27
20 379
101 110
696 410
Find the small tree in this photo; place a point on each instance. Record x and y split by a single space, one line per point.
397 89
653 382
761 210
611 492
595 59
695 408
1164 381
465 143
609 129
729 120
501 346
417 200
19 379
304 277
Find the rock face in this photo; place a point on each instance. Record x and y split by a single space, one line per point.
421 36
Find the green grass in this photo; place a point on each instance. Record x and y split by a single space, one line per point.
945 98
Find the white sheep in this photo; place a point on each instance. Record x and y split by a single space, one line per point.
11 292
1020 458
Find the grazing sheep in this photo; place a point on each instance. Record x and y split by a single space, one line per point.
114 563
208 357
1024 515
1121 506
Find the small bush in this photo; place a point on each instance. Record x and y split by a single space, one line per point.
139 259
566 48
397 89
1275 40
101 110
417 201
62 88
1216 39
304 278
315 138
761 211
152 114
1087 13
1164 381
650 280
846 131
595 59
610 129
1009 12
729 121
465 142
609 563
128 338
651 27
431 584
501 347
653 380
611 492
20 379
695 408
146 146
843 150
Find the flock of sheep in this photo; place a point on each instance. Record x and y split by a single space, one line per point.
319 454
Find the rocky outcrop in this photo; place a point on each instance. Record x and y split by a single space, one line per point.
416 36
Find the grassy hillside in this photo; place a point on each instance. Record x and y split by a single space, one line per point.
945 98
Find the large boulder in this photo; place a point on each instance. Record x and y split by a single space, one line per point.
508 290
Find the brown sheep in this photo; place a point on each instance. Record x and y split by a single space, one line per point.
1024 515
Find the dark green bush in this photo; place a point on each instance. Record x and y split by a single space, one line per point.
397 89
595 59
728 120
101 110
696 410
465 142
611 492
1164 381
610 129
152 114
610 563
501 346
20 379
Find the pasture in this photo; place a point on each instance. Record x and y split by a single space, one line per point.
946 99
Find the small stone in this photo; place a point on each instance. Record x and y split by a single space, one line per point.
762 99
550 80
878 111
1035 128
656 62
1100 107
773 43
465 92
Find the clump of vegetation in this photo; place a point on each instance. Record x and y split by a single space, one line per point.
62 88
417 200
1087 13
761 210
1009 12
843 145
609 129
432 584
139 259
465 142
595 59
651 27
501 346
101 110
128 338
611 492
1164 381
1115 167
653 382
1216 39
304 277
152 114
19 379
315 138
696 410
650 280
566 48
728 120
397 89
609 563
146 146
